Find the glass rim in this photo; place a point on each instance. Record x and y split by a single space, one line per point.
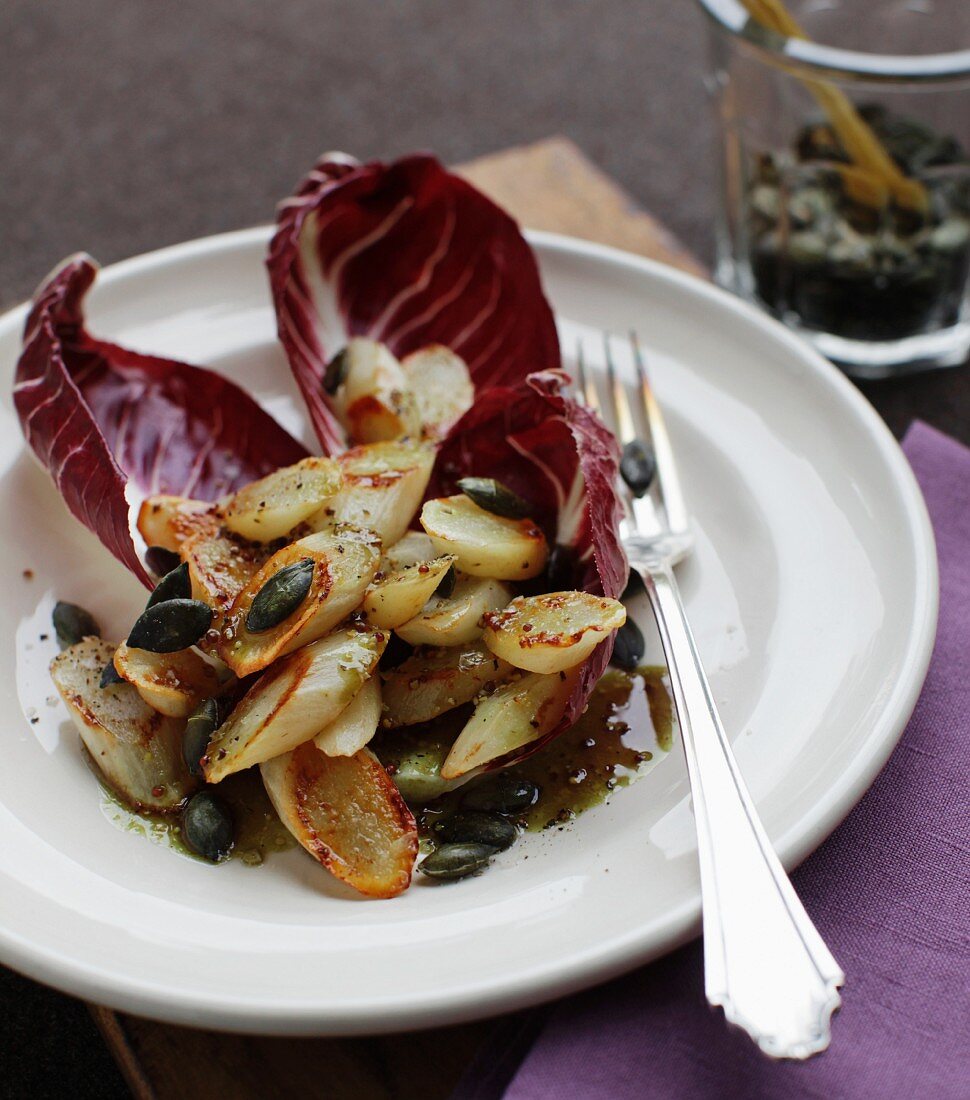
734 18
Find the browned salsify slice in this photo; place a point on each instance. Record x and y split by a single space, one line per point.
348 814
171 683
343 564
441 386
456 619
516 714
485 544
138 751
552 632
432 681
372 397
220 566
356 725
396 597
168 521
270 508
294 700
383 485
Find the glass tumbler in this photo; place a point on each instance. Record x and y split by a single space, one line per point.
868 261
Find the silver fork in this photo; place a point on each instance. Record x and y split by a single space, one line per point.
764 961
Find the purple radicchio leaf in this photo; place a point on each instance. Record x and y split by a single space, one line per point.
558 456
408 254
102 418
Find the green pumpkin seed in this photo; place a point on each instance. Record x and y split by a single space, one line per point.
280 596
561 568
72 623
811 208
446 585
629 647
396 652
452 861
201 725
207 826
492 496
634 587
952 235
807 248
170 626
638 466
110 675
477 827
161 561
503 794
766 201
175 585
336 372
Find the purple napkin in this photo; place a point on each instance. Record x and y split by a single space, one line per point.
890 892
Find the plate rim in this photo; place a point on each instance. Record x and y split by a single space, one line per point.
263 1016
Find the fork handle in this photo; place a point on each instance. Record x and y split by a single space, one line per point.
764 961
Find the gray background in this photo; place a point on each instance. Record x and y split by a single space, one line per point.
129 125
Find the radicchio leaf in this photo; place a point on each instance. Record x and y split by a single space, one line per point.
558 456
410 255
100 417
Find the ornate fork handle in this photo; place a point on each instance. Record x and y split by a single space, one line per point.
764 961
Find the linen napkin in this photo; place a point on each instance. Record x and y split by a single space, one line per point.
889 891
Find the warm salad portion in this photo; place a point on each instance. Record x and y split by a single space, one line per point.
451 558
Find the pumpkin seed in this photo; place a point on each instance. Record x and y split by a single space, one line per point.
638 466
492 496
951 235
170 626
561 568
173 586
807 248
477 827
201 725
161 561
446 586
629 647
766 201
207 826
110 675
913 144
396 653
634 587
280 596
225 705
72 623
810 207
336 371
503 794
453 861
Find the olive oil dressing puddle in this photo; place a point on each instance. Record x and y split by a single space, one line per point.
259 832
628 726
626 729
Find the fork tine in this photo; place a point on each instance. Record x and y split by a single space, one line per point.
671 495
587 392
619 400
607 409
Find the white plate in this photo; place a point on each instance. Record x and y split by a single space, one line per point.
813 594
